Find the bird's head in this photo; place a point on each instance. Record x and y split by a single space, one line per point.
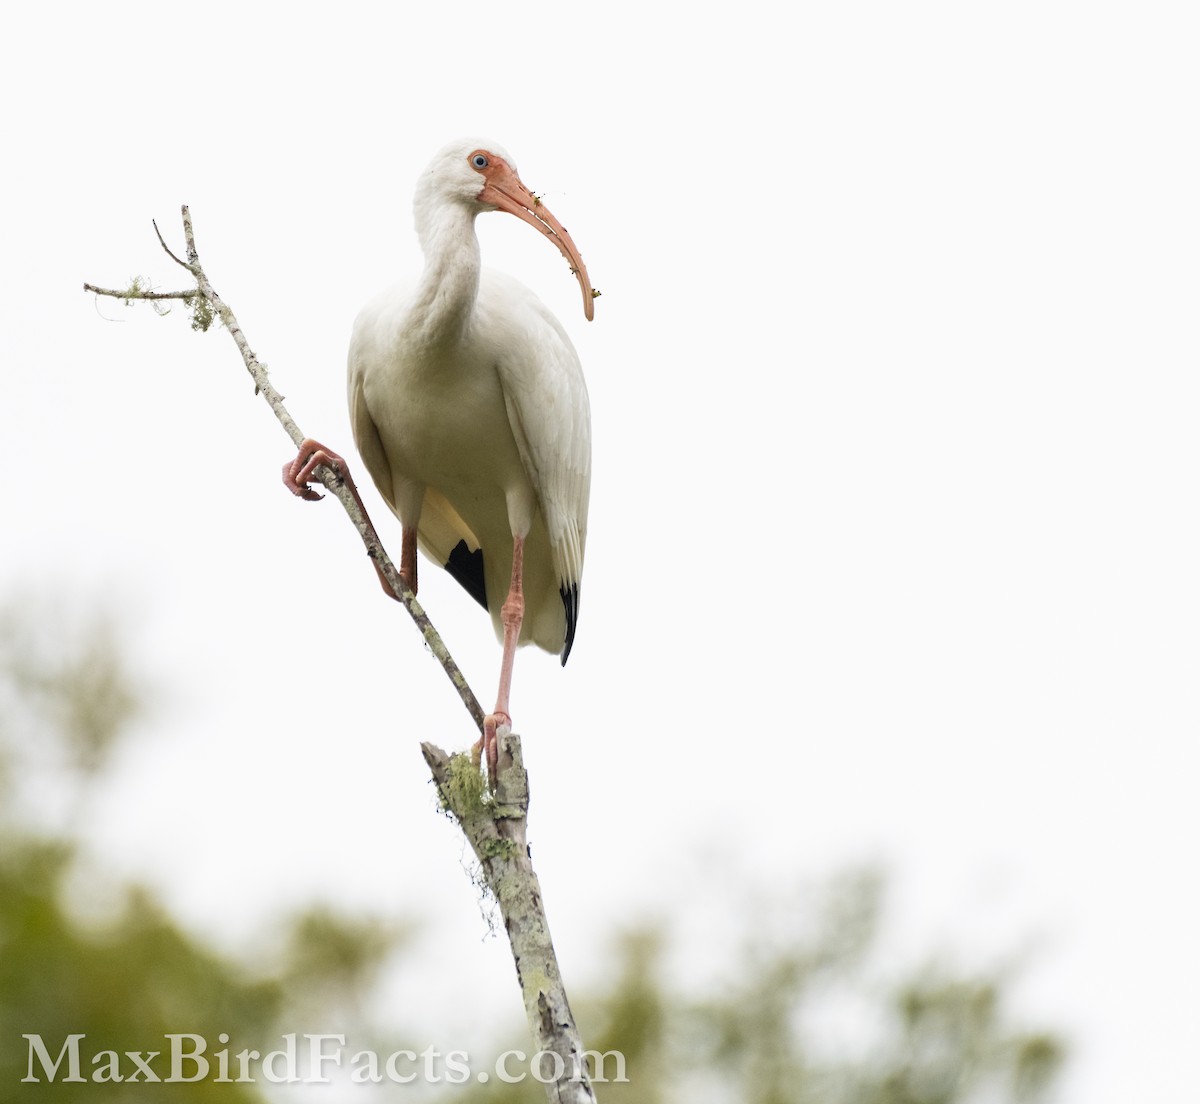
481 175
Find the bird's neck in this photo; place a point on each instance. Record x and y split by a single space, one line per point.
449 285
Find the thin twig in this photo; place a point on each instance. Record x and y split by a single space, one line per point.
130 293
167 248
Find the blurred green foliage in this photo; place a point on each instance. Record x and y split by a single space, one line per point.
801 1010
127 979
125 984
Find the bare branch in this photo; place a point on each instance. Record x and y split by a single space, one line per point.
496 831
334 482
135 293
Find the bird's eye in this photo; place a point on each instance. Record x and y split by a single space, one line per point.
479 161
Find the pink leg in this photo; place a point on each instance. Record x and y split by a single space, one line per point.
296 476
511 615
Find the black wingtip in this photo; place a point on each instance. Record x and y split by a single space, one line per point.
570 601
466 568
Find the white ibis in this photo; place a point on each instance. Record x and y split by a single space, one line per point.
470 411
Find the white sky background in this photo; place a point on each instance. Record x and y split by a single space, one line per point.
893 545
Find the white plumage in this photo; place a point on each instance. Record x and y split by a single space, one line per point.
469 407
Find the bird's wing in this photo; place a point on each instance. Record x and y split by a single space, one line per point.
441 532
548 409
367 440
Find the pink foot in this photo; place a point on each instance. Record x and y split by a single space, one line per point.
299 472
493 723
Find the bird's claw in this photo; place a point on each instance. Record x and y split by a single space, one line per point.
300 490
299 472
495 725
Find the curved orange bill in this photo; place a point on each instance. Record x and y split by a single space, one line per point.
505 191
